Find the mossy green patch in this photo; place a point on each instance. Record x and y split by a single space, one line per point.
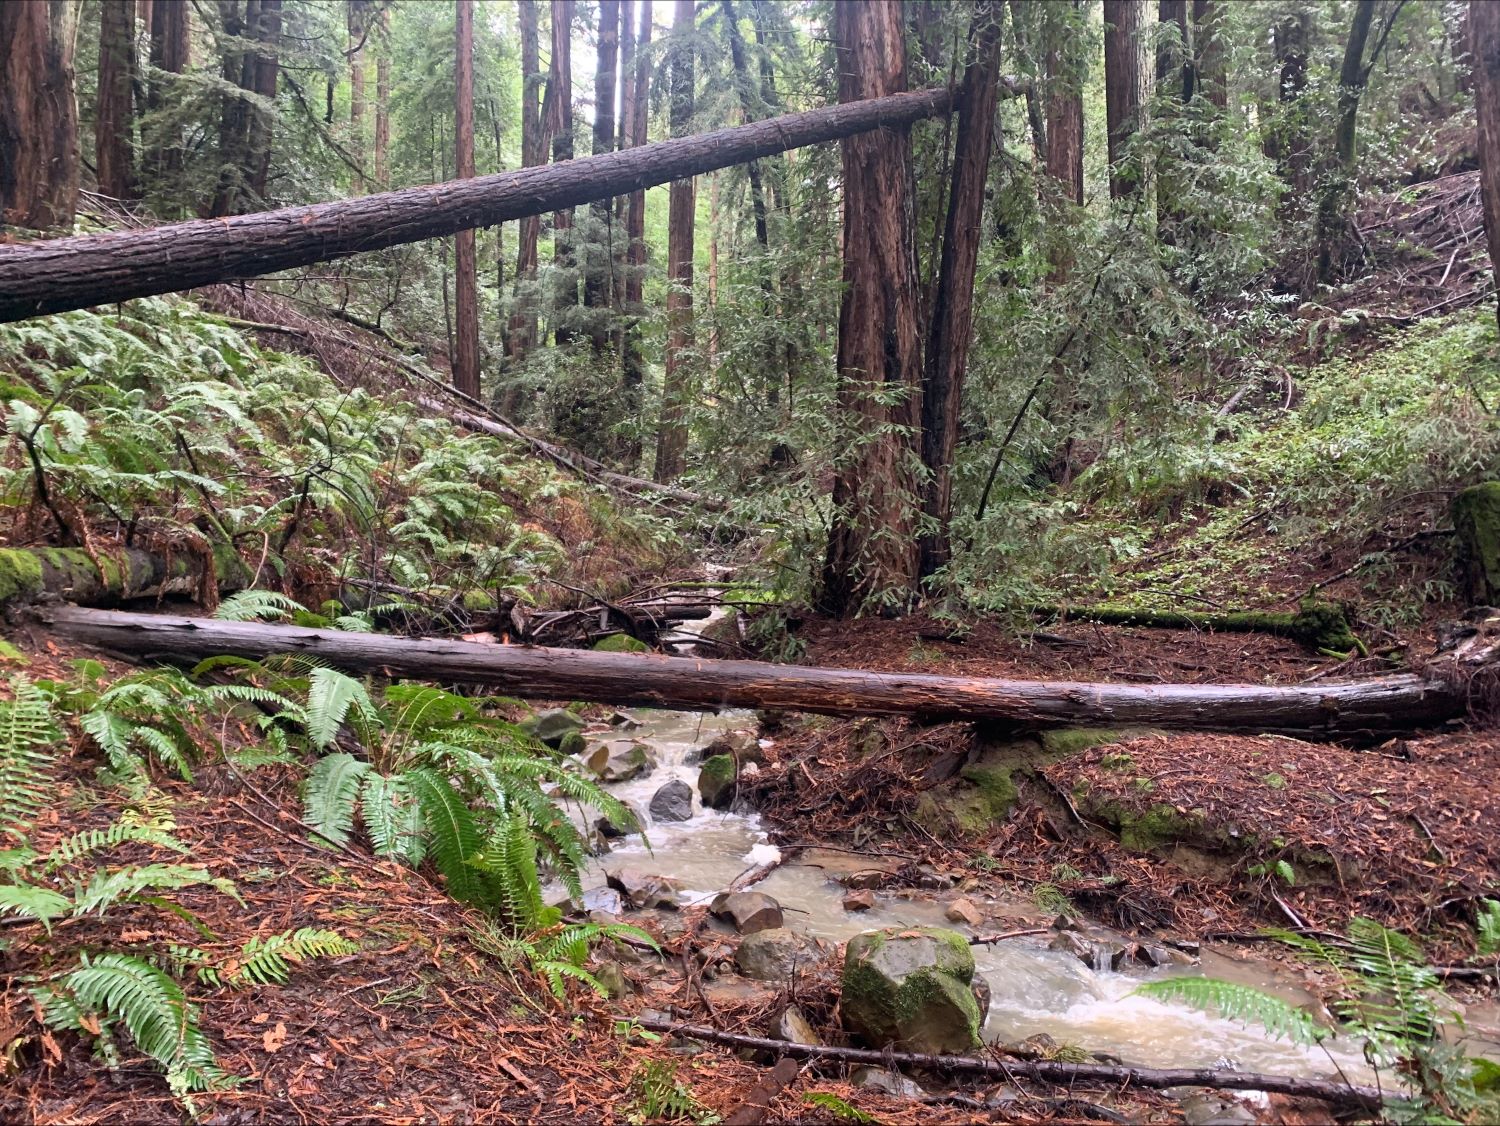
20 574
478 601
621 643
9 654
1476 523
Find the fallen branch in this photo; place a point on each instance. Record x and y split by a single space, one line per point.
1352 709
758 1102
1049 1071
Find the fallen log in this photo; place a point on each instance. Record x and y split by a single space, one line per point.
1049 1071
1349 709
115 574
73 273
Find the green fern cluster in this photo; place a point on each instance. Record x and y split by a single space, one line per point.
261 961
1488 927
658 1096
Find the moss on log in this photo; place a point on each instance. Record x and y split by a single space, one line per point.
1476 523
1317 625
30 573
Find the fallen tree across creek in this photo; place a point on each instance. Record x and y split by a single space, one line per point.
1050 1071
1351 709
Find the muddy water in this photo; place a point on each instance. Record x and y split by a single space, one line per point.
1034 990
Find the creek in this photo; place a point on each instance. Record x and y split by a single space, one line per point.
1034 989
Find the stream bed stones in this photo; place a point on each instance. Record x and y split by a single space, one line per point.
776 954
716 781
620 760
672 802
911 989
749 911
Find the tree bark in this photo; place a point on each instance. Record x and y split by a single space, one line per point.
263 83
952 320
1290 144
559 113
597 289
114 106
109 576
632 362
383 105
1174 50
1333 205
1484 31
465 264
521 337
1124 21
1328 709
357 14
169 55
671 431
38 114
872 553
1064 106
1208 51
74 273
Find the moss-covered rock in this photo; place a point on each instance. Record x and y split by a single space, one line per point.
621 643
716 781
911 989
20 574
1476 523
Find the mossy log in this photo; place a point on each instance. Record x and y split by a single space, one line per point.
28 574
1476 523
1349 709
1317 625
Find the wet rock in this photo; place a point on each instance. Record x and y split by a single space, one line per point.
980 987
776 954
911 988
742 746
573 743
622 721
620 760
793 1027
1149 954
860 900
926 876
716 782
750 911
888 1082
673 802
1097 956
962 911
630 820
603 899
552 726
1205 1108
613 980
642 890
865 878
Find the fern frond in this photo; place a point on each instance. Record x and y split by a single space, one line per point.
392 817
1488 927
257 606
331 696
330 795
555 974
1234 1001
28 733
108 888
1399 989
264 961
153 1009
453 837
124 831
32 902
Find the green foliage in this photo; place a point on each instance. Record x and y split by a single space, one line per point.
658 1096
1234 1001
827 1101
1488 925
28 734
264 961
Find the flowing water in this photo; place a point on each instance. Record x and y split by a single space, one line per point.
1034 989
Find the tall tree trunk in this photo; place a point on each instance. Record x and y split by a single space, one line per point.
465 265
952 321
114 107
1290 142
169 55
1208 50
671 433
1064 104
1036 116
1124 21
872 559
521 337
242 31
1174 50
597 290
383 105
358 16
1484 51
632 362
754 109
38 114
262 120
559 114
1334 202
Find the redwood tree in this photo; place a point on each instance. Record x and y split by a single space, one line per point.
671 433
465 270
521 331
597 291
558 112
1064 102
1484 50
872 554
114 105
634 120
952 317
38 114
1208 50
169 56
1123 89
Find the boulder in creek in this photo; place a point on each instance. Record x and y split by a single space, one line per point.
606 899
742 746
862 899
911 989
673 802
641 889
716 782
620 760
749 911
1097 956
552 726
961 910
776 954
794 1027
630 820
